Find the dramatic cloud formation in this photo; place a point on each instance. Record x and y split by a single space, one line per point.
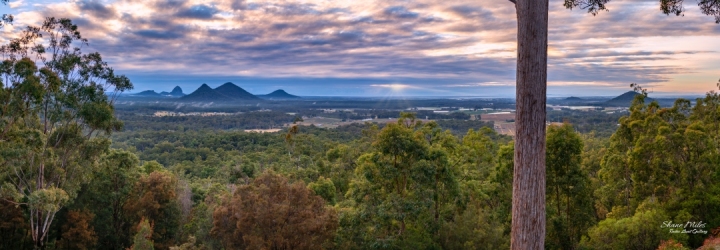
369 47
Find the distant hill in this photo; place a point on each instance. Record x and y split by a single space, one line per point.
206 94
573 99
279 94
233 91
176 92
625 99
148 93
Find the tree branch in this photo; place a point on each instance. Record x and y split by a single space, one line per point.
13 202
513 1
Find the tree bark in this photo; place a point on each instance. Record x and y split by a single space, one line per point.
528 204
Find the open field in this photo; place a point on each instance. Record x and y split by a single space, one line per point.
501 120
505 128
263 130
324 122
498 117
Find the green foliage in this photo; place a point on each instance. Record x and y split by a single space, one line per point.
207 196
325 188
247 120
474 228
408 185
569 200
599 123
152 166
106 195
53 119
406 172
189 245
47 200
641 231
143 238
667 155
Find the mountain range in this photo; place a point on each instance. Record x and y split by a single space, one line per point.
231 92
176 92
148 93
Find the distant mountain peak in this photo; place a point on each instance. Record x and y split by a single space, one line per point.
148 93
231 90
205 94
627 95
177 91
280 94
226 92
626 99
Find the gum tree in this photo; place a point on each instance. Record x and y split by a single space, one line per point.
5 18
528 210
56 111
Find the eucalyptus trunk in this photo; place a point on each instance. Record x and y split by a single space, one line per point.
528 204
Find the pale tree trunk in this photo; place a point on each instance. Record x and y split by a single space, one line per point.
40 225
528 204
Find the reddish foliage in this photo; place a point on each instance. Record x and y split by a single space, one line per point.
154 198
670 245
271 213
712 242
77 232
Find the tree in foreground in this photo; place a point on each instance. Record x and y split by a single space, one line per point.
154 199
640 231
403 188
272 213
106 195
55 114
77 233
667 157
528 211
14 229
570 210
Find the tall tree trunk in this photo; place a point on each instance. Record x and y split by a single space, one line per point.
528 204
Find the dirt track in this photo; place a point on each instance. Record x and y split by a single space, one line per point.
502 126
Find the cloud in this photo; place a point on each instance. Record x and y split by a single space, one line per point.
400 12
423 42
16 4
97 9
199 11
159 34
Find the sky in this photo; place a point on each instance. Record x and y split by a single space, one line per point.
387 47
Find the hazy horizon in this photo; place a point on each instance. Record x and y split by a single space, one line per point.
506 92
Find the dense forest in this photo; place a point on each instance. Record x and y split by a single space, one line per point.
73 178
